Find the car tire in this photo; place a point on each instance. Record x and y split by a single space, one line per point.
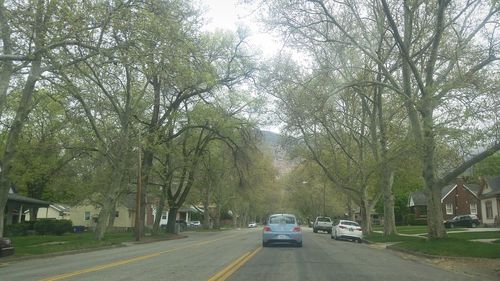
264 244
336 237
359 240
299 245
315 230
331 236
329 231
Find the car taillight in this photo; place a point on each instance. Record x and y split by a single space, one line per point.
267 228
343 227
296 229
360 229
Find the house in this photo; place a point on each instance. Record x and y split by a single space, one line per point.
489 194
18 206
456 199
87 213
53 211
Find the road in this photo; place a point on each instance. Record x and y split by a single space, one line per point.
204 255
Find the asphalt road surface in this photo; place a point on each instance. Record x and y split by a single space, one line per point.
235 254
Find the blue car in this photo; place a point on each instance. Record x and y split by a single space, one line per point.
282 228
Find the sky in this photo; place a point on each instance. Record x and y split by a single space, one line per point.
228 14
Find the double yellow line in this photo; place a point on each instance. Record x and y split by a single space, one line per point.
234 266
136 259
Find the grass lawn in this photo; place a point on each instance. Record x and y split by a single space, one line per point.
35 245
413 229
452 247
456 244
476 235
380 238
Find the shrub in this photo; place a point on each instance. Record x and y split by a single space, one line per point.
410 219
18 229
52 226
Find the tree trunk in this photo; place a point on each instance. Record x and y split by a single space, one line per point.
217 218
103 219
172 217
389 217
365 212
159 210
435 226
206 211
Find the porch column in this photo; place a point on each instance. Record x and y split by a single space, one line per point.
20 214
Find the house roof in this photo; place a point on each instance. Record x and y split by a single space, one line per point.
418 198
494 184
16 198
60 207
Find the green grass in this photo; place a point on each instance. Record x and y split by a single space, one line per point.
456 244
452 247
414 229
36 245
476 235
380 238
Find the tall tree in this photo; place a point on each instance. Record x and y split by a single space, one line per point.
33 33
443 60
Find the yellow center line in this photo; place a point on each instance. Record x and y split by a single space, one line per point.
234 266
127 261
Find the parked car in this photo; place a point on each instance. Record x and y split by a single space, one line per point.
252 225
323 224
195 223
6 247
462 221
345 229
282 228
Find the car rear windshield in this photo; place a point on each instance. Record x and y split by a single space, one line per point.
282 220
324 219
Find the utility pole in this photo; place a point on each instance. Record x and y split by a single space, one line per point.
138 226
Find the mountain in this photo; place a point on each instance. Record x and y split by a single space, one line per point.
281 160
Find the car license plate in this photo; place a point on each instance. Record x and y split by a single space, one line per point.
282 237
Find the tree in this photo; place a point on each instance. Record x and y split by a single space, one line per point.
442 61
33 33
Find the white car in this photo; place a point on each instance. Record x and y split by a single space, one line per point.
195 223
345 229
252 225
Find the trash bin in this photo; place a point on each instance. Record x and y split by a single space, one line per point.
78 228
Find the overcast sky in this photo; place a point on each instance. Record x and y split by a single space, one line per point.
228 14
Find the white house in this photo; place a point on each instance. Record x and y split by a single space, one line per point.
490 200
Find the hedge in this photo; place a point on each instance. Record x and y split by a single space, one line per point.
52 226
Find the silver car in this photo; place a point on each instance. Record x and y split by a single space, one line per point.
346 229
282 228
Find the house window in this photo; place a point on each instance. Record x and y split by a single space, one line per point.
449 208
489 210
87 216
117 214
473 208
164 216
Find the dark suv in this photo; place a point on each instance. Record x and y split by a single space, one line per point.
462 221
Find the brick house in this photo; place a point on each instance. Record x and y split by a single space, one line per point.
456 199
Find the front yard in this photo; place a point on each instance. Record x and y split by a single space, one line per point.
46 244
457 244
